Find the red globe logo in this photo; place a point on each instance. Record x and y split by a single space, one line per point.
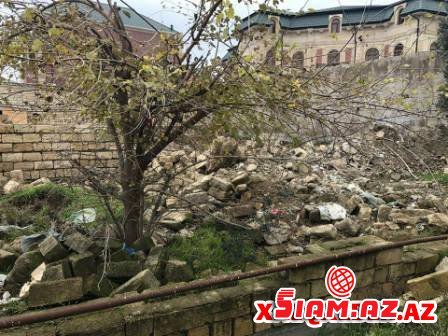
340 282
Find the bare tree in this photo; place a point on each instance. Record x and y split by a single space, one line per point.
179 90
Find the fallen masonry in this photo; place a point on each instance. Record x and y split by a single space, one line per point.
388 273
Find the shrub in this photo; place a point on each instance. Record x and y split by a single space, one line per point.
215 250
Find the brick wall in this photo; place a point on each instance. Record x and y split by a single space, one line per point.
229 311
48 150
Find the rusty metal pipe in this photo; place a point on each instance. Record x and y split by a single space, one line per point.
107 303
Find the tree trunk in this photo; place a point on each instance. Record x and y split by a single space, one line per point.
133 202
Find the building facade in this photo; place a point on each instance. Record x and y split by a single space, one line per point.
347 34
144 34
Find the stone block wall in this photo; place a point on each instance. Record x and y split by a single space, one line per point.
229 311
48 150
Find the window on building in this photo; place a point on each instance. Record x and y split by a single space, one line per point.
270 57
400 17
372 54
333 58
273 26
335 26
398 50
298 60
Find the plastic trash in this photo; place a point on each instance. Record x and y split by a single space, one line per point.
30 241
129 250
83 216
7 229
372 200
332 212
2 280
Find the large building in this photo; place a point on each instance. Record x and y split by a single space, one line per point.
346 34
144 34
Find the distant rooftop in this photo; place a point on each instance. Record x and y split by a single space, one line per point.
351 15
131 19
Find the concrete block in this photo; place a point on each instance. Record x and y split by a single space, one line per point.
52 292
360 263
83 264
243 326
43 165
122 269
200 331
12 138
389 257
429 286
401 270
5 148
23 165
78 243
32 138
12 157
222 328
57 271
52 249
381 274
32 156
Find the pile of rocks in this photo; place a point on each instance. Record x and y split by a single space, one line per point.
295 196
72 267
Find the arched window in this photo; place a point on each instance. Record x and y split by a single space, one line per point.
335 26
273 26
333 58
398 50
270 57
400 18
372 54
298 60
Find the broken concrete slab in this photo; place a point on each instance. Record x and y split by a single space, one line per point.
178 271
238 211
177 220
98 286
78 242
21 272
83 264
122 269
57 271
52 249
220 184
328 231
143 280
429 286
52 292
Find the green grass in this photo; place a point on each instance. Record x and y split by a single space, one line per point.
437 329
439 177
50 204
210 249
13 308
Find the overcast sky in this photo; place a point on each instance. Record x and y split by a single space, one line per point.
165 10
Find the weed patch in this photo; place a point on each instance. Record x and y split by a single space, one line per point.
210 249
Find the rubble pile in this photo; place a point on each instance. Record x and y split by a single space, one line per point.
72 266
289 197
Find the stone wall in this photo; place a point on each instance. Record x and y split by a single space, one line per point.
48 150
229 311
397 90
41 137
